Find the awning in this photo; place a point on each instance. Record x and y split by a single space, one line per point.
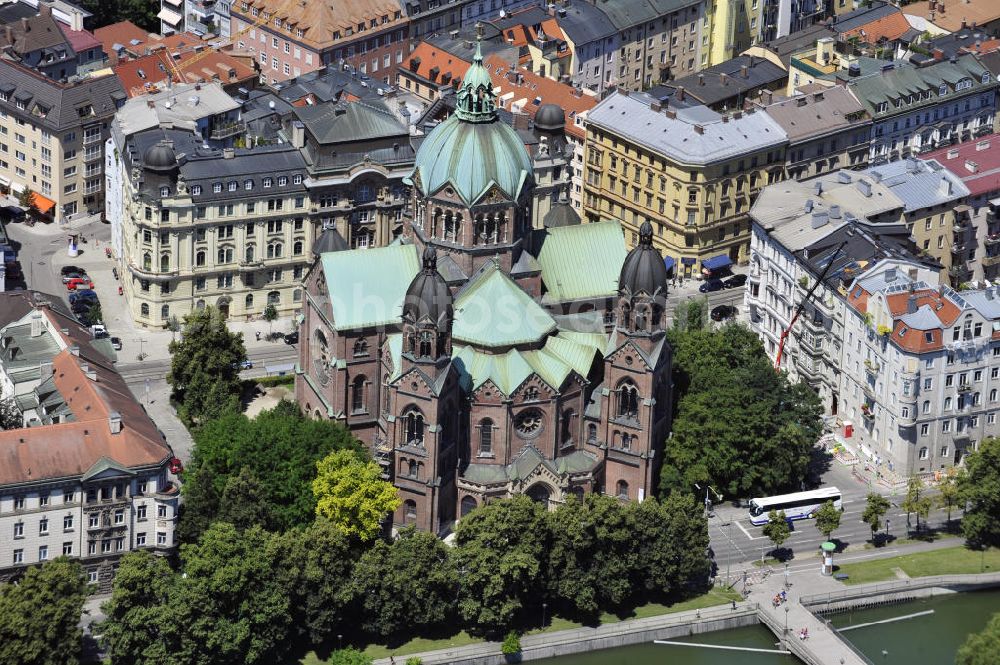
43 204
669 262
717 262
173 18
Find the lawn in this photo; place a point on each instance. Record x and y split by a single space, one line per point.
420 644
953 560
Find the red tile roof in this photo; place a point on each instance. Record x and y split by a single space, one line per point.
890 27
204 67
80 40
69 449
139 75
950 15
976 163
121 33
528 87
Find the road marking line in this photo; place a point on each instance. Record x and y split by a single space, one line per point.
745 532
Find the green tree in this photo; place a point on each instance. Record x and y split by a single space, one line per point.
739 425
691 314
916 502
407 586
671 559
270 314
136 628
827 519
349 656
876 506
140 12
777 529
173 324
26 199
950 491
981 648
39 617
204 367
232 605
350 492
981 492
318 562
280 447
499 548
200 505
10 415
92 315
591 556
243 502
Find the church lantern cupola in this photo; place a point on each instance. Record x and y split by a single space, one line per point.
427 314
642 287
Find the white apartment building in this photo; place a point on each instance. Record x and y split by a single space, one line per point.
87 477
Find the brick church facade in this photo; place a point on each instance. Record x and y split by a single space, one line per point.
479 357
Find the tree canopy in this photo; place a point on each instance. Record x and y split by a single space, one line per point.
140 12
876 506
39 617
981 648
273 456
204 367
350 492
980 488
827 519
739 425
133 630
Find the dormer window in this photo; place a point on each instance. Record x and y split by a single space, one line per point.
986 77
882 107
233 185
964 84
164 191
282 180
196 190
943 89
217 187
268 182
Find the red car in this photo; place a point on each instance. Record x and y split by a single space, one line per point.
79 283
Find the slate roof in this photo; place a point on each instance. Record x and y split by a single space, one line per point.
919 183
65 102
584 23
679 139
354 121
34 33
808 116
716 84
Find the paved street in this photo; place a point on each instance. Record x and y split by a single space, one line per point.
736 542
42 252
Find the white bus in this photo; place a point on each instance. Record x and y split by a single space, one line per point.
797 506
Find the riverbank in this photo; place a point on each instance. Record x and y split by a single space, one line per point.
950 561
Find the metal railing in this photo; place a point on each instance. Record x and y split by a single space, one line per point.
898 586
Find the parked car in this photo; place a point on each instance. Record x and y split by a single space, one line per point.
99 331
77 282
82 308
81 295
116 343
74 275
723 312
292 338
246 363
735 281
710 285
66 270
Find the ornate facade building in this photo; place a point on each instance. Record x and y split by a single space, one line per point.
479 357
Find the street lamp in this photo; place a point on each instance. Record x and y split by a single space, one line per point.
544 607
786 621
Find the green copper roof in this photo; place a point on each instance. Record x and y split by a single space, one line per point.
472 158
473 151
493 311
553 364
582 261
367 286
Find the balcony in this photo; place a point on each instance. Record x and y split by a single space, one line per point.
250 266
991 260
226 130
867 412
872 366
90 139
148 274
992 239
965 388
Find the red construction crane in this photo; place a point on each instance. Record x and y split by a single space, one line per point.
802 303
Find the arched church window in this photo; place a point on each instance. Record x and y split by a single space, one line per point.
486 437
413 425
628 400
621 491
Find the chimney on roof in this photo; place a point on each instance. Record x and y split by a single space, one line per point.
944 187
724 78
911 305
36 324
656 107
809 205
989 293
801 100
725 117
835 212
701 79
819 218
298 134
115 422
680 93
670 113
964 23
228 153
745 71
767 96
865 188
698 129
24 24
818 187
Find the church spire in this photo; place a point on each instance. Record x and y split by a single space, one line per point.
476 100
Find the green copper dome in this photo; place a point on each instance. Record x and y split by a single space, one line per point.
473 151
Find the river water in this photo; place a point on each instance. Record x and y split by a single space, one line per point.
929 639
